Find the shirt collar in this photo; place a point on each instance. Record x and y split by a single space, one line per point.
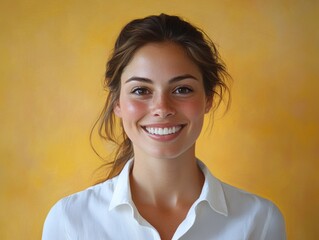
122 191
212 190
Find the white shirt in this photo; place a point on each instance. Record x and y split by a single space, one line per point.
106 211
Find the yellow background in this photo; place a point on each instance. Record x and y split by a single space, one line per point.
52 57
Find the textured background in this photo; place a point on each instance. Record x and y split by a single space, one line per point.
52 57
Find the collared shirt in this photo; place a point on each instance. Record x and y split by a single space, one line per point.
106 211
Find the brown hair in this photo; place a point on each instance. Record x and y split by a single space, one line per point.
133 36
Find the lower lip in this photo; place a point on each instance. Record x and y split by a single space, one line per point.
164 138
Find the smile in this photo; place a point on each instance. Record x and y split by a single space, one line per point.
163 131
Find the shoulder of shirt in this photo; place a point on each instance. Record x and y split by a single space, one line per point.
67 212
240 196
229 199
100 193
261 210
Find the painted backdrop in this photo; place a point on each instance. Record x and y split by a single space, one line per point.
52 57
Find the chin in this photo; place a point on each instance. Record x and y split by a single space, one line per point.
165 153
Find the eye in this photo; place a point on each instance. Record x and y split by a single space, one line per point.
140 91
183 90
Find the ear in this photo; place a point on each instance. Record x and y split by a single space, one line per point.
209 103
117 109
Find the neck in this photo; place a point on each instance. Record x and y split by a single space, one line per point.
166 182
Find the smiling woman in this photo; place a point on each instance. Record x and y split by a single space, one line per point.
172 98
163 77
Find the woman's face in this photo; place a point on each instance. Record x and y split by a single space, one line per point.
162 101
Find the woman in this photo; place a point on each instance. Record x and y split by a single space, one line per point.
163 77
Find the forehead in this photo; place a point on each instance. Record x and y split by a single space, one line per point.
160 60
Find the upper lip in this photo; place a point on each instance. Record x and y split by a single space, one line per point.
163 125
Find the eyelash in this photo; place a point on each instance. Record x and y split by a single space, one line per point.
188 90
140 91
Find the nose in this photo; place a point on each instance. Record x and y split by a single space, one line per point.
162 106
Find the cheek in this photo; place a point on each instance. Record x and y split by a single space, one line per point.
194 109
132 108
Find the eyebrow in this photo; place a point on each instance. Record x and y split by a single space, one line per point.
174 79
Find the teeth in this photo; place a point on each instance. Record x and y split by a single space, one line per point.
163 131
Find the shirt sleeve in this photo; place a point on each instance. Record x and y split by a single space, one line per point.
275 225
54 225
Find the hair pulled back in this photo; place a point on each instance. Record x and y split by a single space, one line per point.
137 33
